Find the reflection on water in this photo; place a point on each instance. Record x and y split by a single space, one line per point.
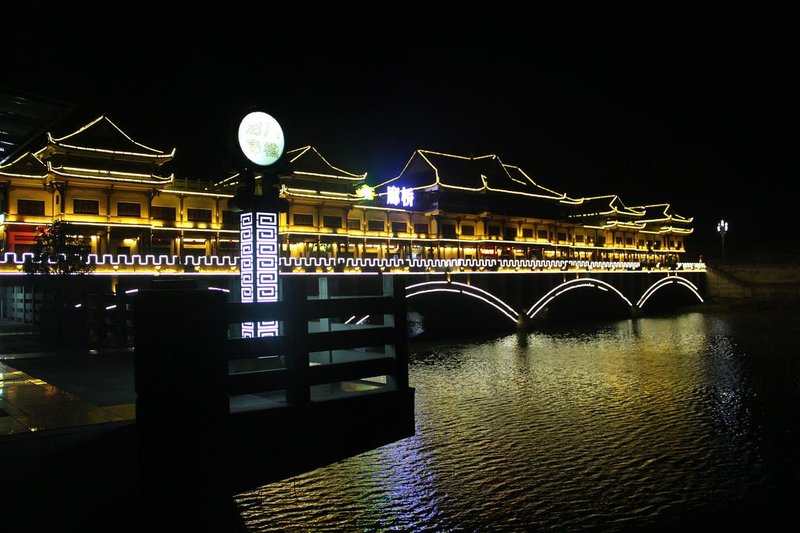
636 424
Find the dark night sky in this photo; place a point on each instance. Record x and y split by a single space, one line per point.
653 101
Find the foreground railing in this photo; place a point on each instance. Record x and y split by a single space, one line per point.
218 414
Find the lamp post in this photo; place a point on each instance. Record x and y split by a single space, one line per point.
722 228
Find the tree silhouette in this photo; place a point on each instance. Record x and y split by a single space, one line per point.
58 255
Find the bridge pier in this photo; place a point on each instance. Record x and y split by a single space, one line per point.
524 323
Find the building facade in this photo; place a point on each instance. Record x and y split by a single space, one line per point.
117 195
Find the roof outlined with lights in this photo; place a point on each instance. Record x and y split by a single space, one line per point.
427 169
97 151
103 136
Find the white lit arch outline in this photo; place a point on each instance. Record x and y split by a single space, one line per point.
663 282
570 285
462 288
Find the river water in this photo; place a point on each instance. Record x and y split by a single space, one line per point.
661 423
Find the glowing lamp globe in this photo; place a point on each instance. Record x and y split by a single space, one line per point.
260 138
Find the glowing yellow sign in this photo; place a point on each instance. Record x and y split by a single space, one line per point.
366 192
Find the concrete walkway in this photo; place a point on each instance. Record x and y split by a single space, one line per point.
45 387
68 438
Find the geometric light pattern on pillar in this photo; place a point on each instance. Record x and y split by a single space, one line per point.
266 266
246 267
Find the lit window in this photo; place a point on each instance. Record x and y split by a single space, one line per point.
198 215
332 222
159 212
129 209
85 207
30 207
299 219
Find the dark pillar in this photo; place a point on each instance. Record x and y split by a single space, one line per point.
182 410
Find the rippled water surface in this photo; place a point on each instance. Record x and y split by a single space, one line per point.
654 423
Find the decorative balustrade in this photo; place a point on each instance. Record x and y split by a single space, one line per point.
107 264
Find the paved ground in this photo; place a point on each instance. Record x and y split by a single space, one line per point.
45 386
69 445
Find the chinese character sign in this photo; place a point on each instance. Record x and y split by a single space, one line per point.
400 196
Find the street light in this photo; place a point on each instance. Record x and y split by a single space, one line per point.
722 228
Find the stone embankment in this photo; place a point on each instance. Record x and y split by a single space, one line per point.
754 282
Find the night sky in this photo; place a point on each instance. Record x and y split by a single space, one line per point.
653 101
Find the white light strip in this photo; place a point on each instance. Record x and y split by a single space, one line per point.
150 261
665 281
497 302
466 293
569 285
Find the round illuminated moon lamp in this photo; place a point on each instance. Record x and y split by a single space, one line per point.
259 138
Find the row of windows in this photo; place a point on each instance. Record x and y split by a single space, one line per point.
449 230
124 209
131 209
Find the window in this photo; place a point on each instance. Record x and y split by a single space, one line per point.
228 248
399 227
510 233
30 207
640 244
527 233
375 225
467 229
23 249
230 218
494 231
332 222
353 223
159 212
578 238
601 241
541 234
198 215
629 241
129 209
299 219
448 230
562 236
160 245
421 228
618 240
85 207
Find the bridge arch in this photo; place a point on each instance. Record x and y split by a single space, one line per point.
668 281
572 284
428 287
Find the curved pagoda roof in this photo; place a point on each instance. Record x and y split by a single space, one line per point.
25 166
102 137
660 218
101 151
312 176
431 170
609 212
307 161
